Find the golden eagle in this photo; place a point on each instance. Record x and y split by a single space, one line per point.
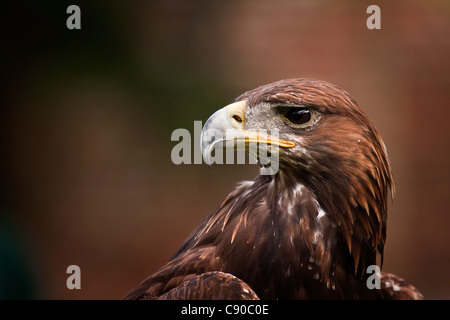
309 230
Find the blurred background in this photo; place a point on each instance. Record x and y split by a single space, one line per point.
86 119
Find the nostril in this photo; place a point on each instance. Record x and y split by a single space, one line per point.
237 118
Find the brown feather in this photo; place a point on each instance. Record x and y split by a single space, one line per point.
309 231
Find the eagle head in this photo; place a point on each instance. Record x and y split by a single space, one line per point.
324 143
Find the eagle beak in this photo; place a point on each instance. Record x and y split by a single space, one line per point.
226 126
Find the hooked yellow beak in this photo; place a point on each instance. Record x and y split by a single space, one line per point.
227 125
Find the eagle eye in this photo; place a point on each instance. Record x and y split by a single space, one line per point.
237 118
299 116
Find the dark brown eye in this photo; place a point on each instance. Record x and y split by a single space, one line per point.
299 115
237 118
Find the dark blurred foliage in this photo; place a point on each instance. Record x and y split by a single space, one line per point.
86 119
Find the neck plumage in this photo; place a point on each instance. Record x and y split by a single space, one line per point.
351 208
287 237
